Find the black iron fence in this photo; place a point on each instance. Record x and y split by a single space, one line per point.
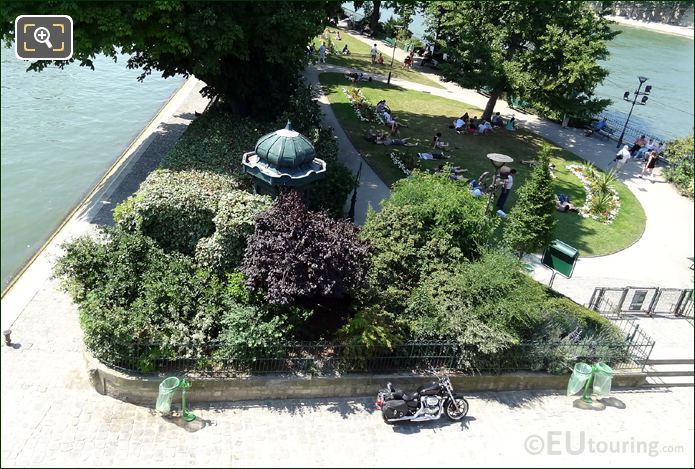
631 133
650 301
630 350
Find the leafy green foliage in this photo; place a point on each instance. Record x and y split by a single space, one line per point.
132 293
532 221
428 222
234 221
545 52
236 48
195 213
679 154
295 254
175 208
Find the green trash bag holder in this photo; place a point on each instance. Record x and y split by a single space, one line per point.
167 389
584 375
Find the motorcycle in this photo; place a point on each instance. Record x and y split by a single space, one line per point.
429 402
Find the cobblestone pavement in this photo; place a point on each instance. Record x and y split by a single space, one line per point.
51 417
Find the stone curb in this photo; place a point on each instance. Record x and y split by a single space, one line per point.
143 389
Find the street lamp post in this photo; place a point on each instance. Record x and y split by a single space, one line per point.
634 101
393 55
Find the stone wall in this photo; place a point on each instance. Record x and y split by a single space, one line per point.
143 389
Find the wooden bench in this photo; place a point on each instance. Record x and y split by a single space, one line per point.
605 133
518 104
485 90
389 41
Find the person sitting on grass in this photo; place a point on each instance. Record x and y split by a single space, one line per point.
345 51
392 123
459 125
497 121
473 125
438 143
381 107
511 124
484 127
380 59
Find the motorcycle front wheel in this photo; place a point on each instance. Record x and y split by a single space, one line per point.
452 413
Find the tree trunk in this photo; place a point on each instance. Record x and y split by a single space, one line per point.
490 106
376 13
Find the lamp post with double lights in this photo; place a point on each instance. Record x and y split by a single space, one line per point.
643 101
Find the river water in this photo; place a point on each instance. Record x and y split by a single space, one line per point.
61 130
665 59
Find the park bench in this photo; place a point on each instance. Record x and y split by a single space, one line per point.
606 133
518 104
485 90
389 41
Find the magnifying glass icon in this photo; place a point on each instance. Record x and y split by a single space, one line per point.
43 35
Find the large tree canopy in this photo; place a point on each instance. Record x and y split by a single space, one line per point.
249 53
543 52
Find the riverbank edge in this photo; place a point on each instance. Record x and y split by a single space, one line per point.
656 27
37 270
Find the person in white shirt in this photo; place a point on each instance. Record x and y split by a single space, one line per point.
621 158
322 52
484 127
459 125
391 122
644 150
374 54
506 189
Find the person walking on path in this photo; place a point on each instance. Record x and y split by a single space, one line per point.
621 158
506 189
374 54
649 164
322 52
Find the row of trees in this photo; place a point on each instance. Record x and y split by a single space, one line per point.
545 52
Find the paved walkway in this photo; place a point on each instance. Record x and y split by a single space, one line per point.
52 418
659 258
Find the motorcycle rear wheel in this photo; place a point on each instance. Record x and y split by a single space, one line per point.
450 409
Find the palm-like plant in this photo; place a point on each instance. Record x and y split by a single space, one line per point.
602 203
603 182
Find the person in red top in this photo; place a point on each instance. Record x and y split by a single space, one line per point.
639 143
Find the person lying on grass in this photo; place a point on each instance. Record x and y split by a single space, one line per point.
384 139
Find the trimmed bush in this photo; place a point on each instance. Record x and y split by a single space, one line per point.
175 208
234 222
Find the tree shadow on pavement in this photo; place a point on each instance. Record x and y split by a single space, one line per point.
515 399
344 407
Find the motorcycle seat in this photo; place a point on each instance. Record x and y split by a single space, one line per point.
410 396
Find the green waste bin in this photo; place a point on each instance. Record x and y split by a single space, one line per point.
580 374
603 376
167 388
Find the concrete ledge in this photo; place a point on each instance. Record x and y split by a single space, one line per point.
143 389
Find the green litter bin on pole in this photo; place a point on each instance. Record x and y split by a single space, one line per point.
167 388
603 377
580 377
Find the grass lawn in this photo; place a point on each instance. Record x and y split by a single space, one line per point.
426 114
360 58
